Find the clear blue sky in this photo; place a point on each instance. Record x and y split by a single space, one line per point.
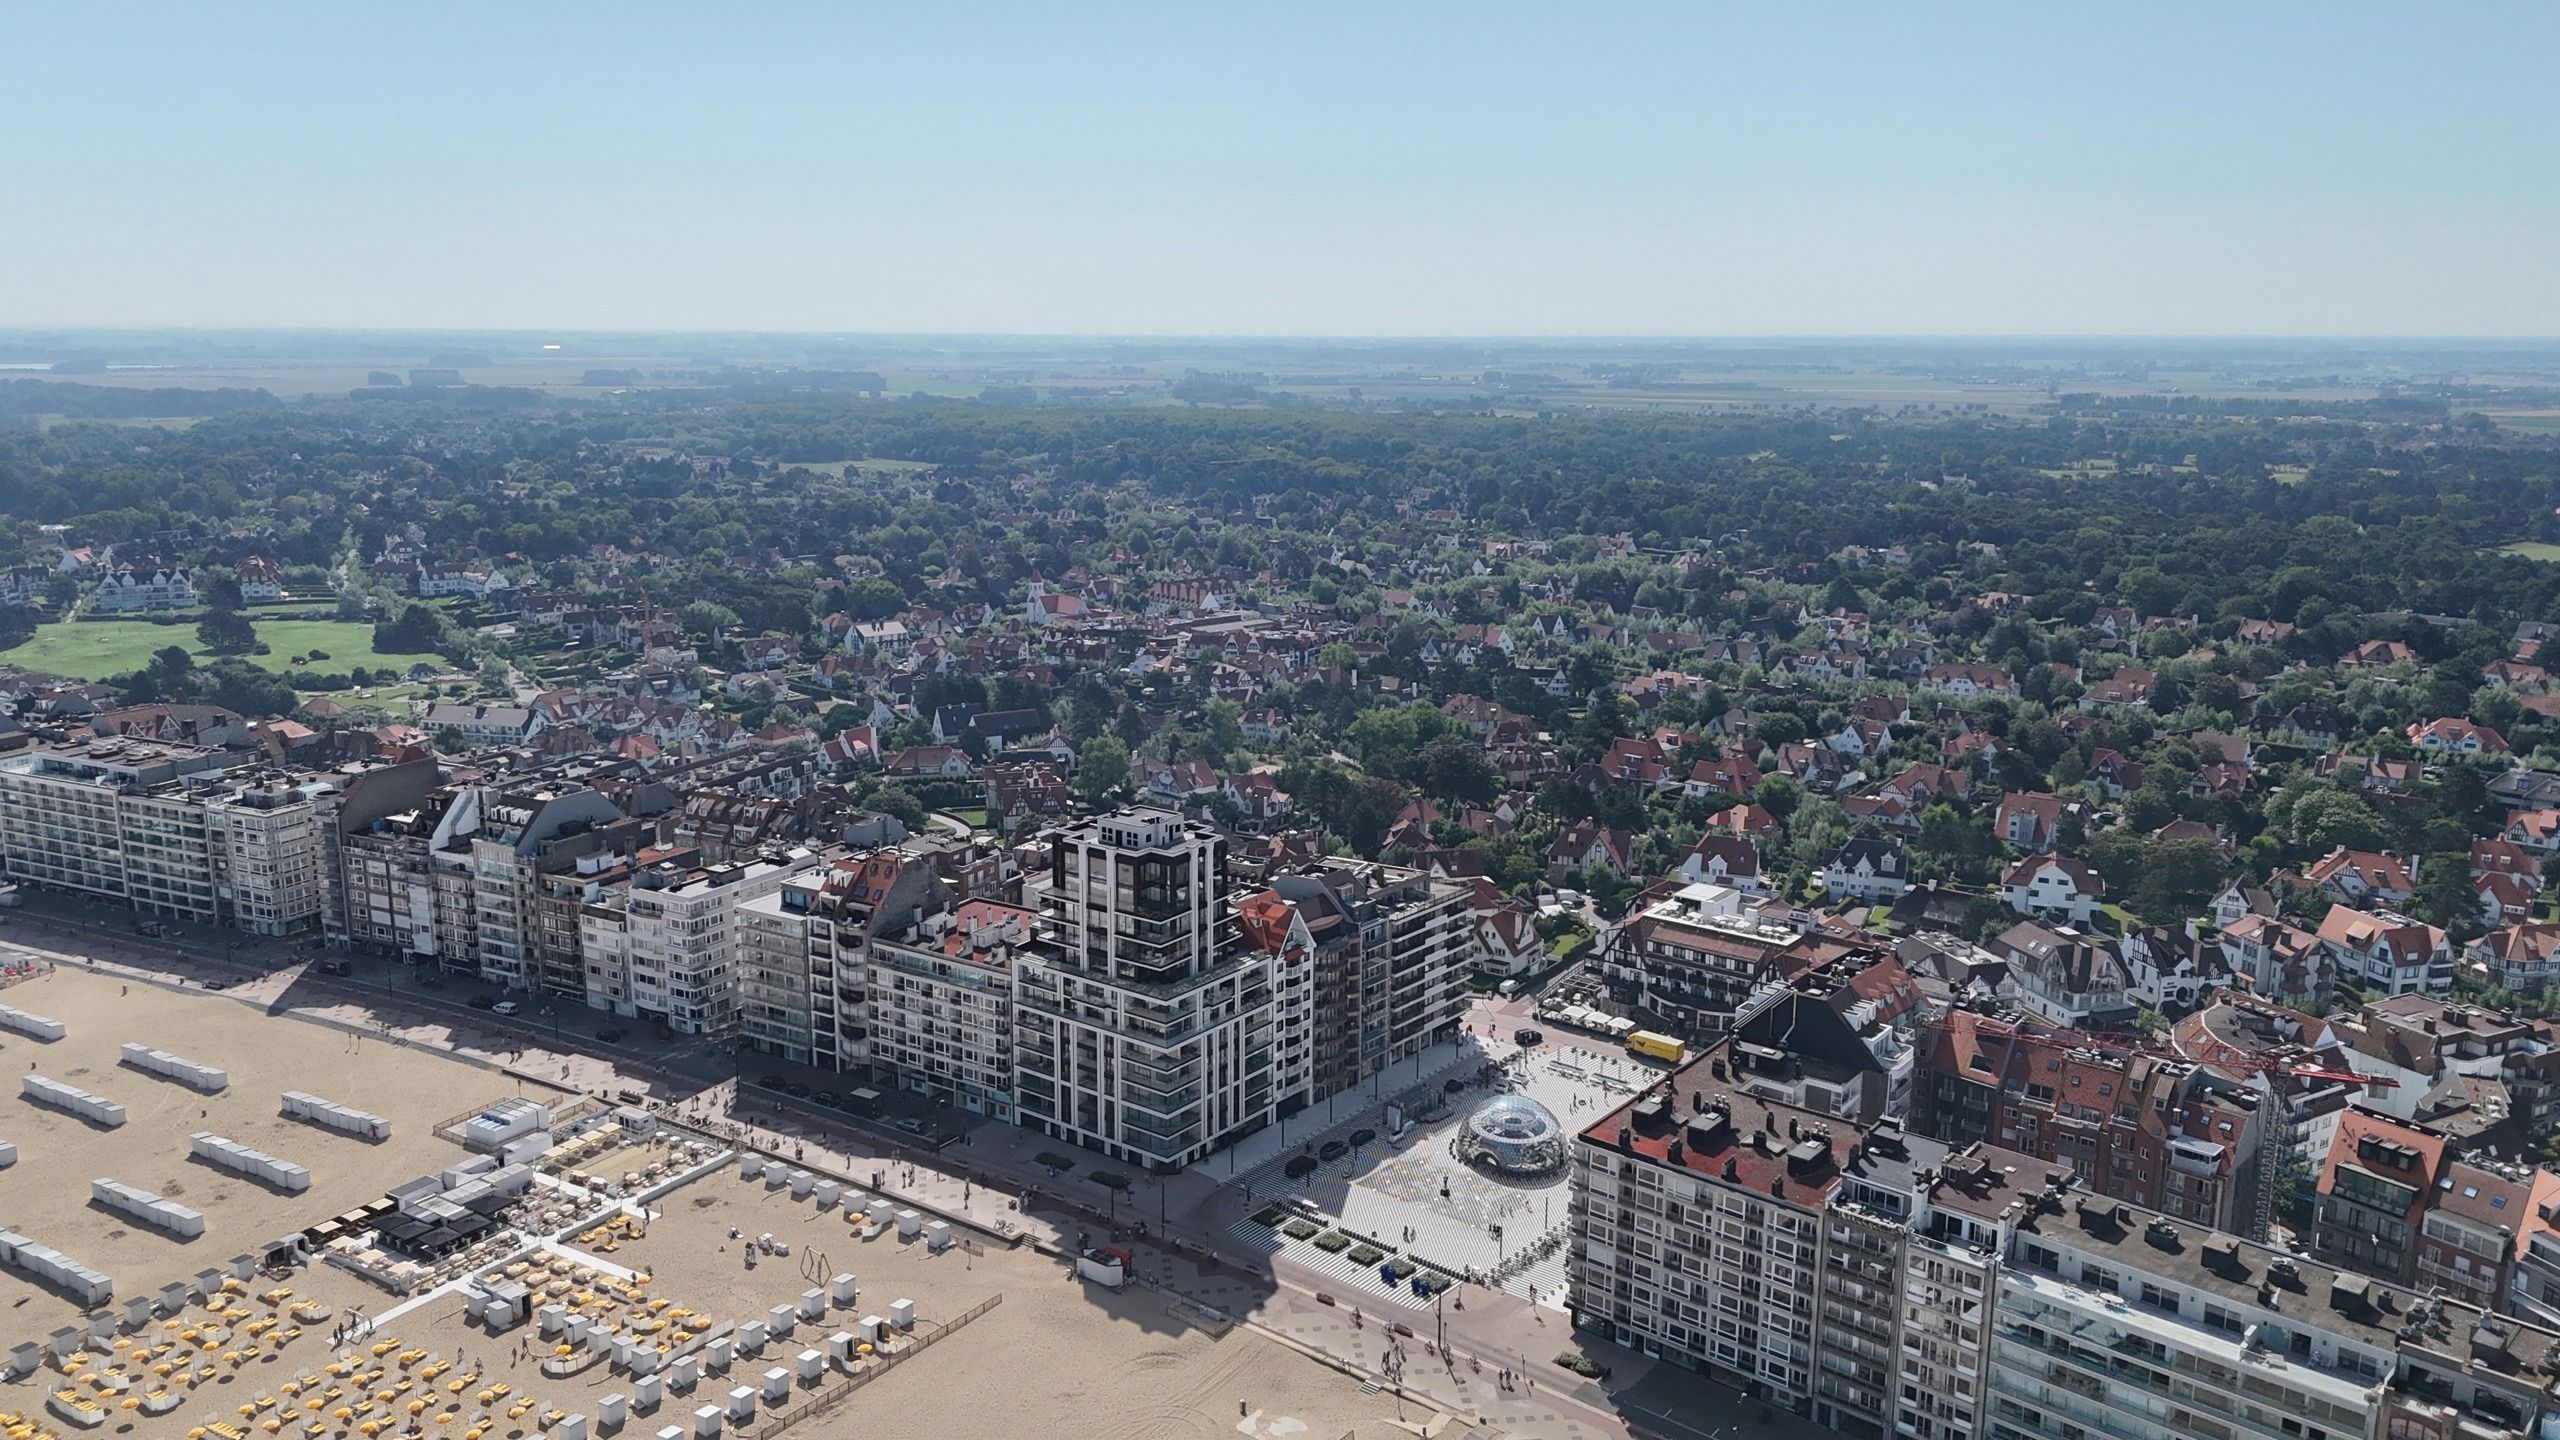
2358 169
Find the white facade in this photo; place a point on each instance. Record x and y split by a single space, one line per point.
1145 1029
942 1005
165 829
667 942
126 589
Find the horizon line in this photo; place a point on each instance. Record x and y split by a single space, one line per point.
1318 337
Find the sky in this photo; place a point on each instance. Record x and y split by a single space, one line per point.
1301 169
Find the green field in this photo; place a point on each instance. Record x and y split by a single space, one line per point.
96 649
2542 550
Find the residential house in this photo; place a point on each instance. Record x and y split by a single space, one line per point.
124 589
2448 736
2032 820
2066 976
930 762
2365 877
1867 869
1586 844
1729 860
2053 887
2387 952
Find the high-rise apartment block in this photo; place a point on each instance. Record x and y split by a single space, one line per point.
1144 1027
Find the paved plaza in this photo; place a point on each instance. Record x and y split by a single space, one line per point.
1415 1196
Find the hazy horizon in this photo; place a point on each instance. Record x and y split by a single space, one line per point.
1489 173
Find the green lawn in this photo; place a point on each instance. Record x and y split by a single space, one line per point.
96 649
2532 550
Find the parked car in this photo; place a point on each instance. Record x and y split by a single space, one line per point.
609 1034
1332 1150
1529 1036
911 1125
770 1082
484 1002
795 1090
1299 1167
1363 1137
506 1007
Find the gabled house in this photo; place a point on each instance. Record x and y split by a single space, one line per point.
2170 970
2365 877
2279 961
2387 952
2448 736
1731 860
1733 775
930 762
2032 820
1867 869
2524 959
2066 976
1588 843
2053 887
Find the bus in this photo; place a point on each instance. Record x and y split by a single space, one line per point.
1651 1046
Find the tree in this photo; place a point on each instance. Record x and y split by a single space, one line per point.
898 803
1779 795
2443 894
1102 767
409 630
708 618
1453 767
2323 820
226 632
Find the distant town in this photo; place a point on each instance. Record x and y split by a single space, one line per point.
1968 924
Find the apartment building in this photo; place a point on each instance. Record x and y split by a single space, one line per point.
386 896
125 589
364 884
1692 956
1390 951
1273 926
113 818
1697 1218
268 836
663 949
1145 1028
489 852
803 962
942 1014
1835 1035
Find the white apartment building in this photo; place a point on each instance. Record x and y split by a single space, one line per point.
942 1017
803 976
268 837
113 818
129 588
2115 1321
663 949
172 830
1144 1028
1390 954
1697 1232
